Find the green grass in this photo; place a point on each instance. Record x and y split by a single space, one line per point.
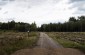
70 39
13 41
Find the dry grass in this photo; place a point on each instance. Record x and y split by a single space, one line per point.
70 39
13 41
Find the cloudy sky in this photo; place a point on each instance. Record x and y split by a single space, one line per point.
40 11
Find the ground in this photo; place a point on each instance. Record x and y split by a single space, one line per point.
47 46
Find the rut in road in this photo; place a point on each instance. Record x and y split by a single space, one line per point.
46 42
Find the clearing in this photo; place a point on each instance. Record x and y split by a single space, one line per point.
47 46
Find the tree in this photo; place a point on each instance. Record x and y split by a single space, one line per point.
81 18
73 25
11 25
72 19
33 27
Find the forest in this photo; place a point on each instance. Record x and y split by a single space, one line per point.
72 25
18 26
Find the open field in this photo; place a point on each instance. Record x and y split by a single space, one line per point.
48 46
70 39
13 41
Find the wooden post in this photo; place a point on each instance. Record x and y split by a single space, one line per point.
28 33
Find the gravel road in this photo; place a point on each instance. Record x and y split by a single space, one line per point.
46 42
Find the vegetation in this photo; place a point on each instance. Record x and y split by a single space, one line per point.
18 26
73 25
13 41
70 39
13 34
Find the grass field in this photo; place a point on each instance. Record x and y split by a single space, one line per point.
13 41
70 39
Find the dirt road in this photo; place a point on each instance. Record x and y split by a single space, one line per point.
46 42
47 46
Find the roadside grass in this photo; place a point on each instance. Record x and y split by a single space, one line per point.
13 41
70 39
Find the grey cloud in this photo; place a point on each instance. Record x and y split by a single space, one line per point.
81 9
7 0
4 2
79 12
11 0
0 8
79 4
72 1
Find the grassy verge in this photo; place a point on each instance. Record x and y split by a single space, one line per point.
13 41
70 39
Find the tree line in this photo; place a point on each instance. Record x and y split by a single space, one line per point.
72 25
18 26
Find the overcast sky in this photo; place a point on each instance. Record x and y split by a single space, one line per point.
40 11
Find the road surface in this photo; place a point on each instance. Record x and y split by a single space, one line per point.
46 42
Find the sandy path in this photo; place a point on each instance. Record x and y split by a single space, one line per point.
47 46
46 42
40 51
